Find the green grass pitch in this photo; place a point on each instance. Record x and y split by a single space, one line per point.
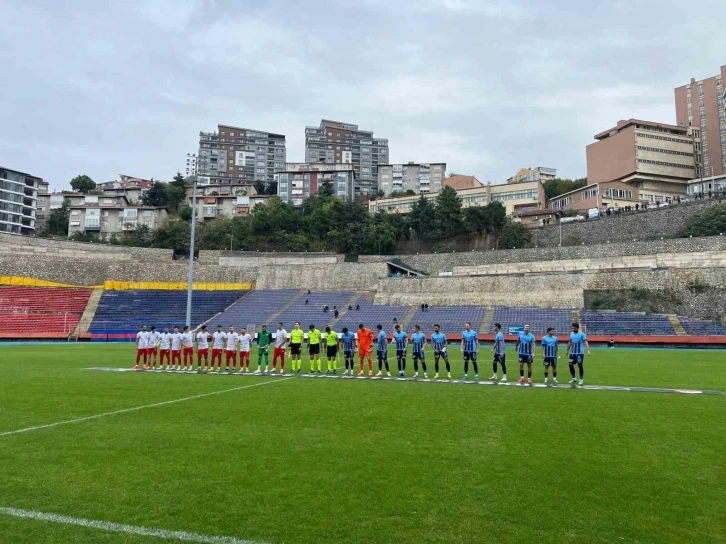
333 461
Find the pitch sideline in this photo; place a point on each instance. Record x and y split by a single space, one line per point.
136 408
181 536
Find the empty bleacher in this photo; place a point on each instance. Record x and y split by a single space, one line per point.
312 312
621 323
539 319
451 318
697 327
371 315
257 307
121 312
41 311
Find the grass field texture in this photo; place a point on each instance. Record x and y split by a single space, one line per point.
305 460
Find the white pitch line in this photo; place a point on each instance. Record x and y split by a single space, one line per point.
136 408
181 536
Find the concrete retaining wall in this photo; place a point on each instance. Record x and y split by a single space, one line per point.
338 277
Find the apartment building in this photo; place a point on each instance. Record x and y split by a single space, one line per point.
611 194
707 187
657 159
416 177
538 173
126 182
301 180
224 201
701 104
104 216
18 202
515 198
239 156
336 142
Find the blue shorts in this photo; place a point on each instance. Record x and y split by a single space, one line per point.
470 355
550 361
348 354
525 359
441 353
382 355
401 353
500 358
577 359
418 355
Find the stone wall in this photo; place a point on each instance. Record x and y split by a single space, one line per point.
667 222
87 271
445 262
24 245
333 277
251 259
552 290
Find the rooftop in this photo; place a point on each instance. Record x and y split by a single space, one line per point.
621 125
460 182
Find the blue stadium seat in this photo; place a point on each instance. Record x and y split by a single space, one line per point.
539 319
697 327
451 318
596 322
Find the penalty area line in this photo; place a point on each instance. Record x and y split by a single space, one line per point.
181 536
136 408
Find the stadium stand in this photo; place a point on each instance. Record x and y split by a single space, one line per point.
312 312
539 319
451 318
697 327
256 308
371 315
596 322
120 313
49 312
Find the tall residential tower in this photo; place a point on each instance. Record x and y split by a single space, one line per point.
335 142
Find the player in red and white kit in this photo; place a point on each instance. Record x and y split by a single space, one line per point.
176 347
153 346
202 348
245 345
164 348
231 348
187 342
218 339
142 345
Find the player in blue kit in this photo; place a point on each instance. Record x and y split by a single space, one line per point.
438 341
348 340
418 339
382 351
549 352
526 347
470 347
401 339
500 353
576 350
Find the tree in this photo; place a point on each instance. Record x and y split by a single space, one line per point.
557 186
476 219
496 216
273 216
410 192
263 187
448 211
83 184
423 219
157 195
178 181
175 235
57 224
326 189
709 222
140 236
514 235
186 213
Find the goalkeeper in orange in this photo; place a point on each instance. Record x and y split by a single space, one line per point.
365 347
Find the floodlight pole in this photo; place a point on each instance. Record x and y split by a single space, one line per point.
190 281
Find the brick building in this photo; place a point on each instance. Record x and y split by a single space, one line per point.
302 180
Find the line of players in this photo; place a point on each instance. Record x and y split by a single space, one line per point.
172 347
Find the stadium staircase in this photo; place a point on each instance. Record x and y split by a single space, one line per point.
677 325
290 302
352 302
406 321
87 317
576 319
486 321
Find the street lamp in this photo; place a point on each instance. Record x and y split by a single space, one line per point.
190 280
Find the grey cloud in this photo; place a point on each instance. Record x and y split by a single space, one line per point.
488 86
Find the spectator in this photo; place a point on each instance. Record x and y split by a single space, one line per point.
423 309
710 194
426 306
306 301
637 207
308 291
357 307
336 313
350 307
395 320
679 200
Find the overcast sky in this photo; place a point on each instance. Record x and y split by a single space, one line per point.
488 86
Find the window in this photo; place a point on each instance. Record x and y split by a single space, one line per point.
75 212
668 164
619 193
75 223
669 151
